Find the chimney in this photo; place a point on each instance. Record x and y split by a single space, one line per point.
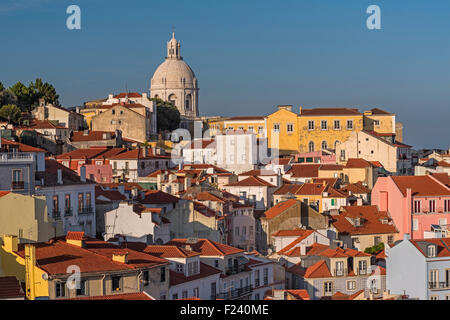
187 183
300 110
359 202
406 236
110 96
302 250
144 95
278 294
180 166
10 242
121 257
83 174
59 175
75 238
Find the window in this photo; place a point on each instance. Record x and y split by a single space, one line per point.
415 225
190 268
336 143
60 289
354 242
241 128
376 123
349 124
362 266
260 129
434 297
196 292
80 201
17 175
431 251
324 125
390 239
250 128
195 267
351 285
337 125
163 274
328 287
266 276
324 145
339 268
145 277
81 291
250 231
55 203
432 205
446 205
290 127
179 267
88 199
213 290
116 284
257 278
310 125
184 294
113 111
276 127
342 154
216 263
244 230
311 146
175 296
377 240
237 231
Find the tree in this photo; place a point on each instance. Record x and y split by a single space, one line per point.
1 87
10 112
7 97
168 116
45 91
25 96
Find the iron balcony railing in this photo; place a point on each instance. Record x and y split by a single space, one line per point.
68 212
56 214
14 156
85 210
234 270
234 293
362 270
17 185
439 285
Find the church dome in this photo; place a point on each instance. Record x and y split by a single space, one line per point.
173 73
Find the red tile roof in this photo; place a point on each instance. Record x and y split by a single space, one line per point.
163 251
311 189
128 94
290 233
4 193
251 182
79 136
442 177
177 278
112 195
279 208
75 235
281 161
443 246
371 221
288 188
329 112
202 144
318 270
206 247
354 163
158 197
10 288
306 233
420 186
259 172
8 145
304 170
50 175
355 188
82 153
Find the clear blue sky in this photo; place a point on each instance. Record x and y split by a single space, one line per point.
248 56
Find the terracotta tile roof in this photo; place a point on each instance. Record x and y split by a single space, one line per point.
355 188
207 212
259 172
329 112
204 166
83 154
55 256
443 164
281 161
202 144
8 145
371 221
289 233
158 197
311 189
279 208
420 186
330 181
353 163
306 233
112 195
296 269
251 182
128 94
177 278
442 177
163 251
208 196
118 296
287 188
206 247
10 288
318 270
138 153
304 170
110 152
79 136
331 167
376 164
75 235
50 175
380 112
41 124
334 193
4 193
341 296
242 118
443 246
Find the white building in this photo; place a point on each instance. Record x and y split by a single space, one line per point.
254 190
137 223
69 197
200 151
419 268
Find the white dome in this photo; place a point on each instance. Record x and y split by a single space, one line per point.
173 74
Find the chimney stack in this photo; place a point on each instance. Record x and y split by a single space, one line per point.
300 110
120 257
83 174
59 176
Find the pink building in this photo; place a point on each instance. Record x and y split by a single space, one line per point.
100 173
316 157
417 201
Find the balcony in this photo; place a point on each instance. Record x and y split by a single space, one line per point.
85 210
340 272
438 285
56 214
234 270
17 185
234 294
68 212
362 271
16 157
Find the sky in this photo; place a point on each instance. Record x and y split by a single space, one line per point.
248 56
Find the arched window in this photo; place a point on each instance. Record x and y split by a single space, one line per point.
311 146
188 102
172 99
324 145
336 143
156 96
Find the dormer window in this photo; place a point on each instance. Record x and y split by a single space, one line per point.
431 251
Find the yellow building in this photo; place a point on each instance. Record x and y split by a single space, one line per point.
379 121
324 128
255 124
283 130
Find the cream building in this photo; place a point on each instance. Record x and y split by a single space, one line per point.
175 81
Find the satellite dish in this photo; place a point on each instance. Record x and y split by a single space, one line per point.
45 276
